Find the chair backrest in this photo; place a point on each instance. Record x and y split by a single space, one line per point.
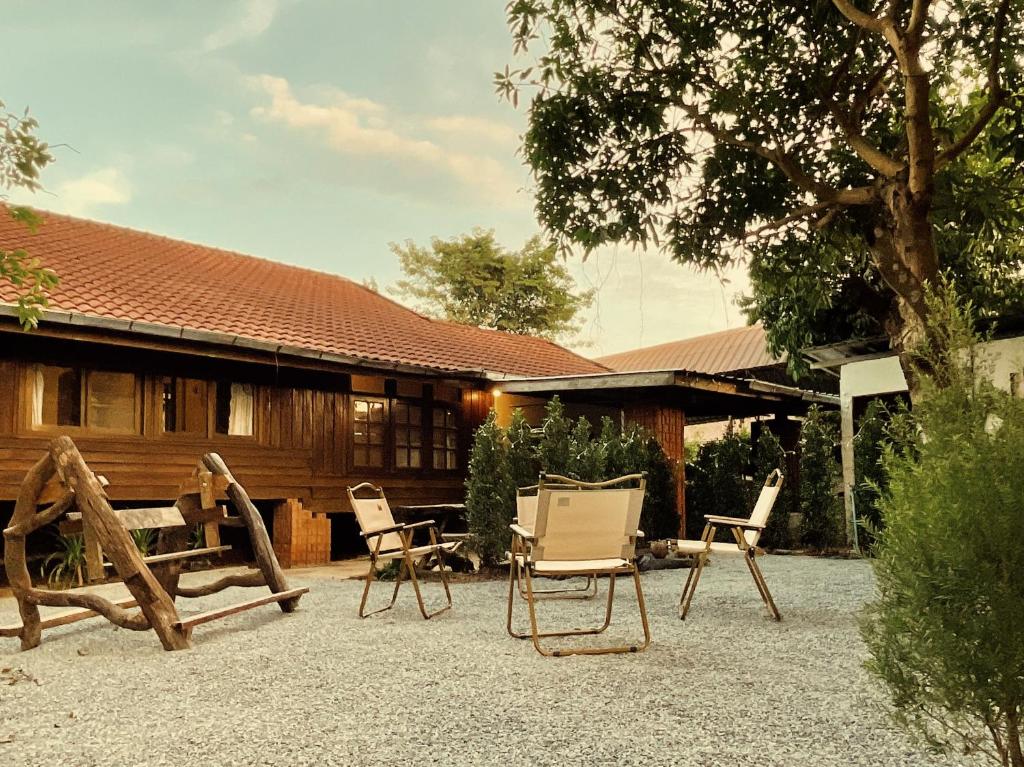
374 514
587 520
763 507
526 507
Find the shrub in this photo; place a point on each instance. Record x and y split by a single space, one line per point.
716 483
821 527
869 482
586 461
554 451
613 453
768 456
489 493
522 460
946 634
659 518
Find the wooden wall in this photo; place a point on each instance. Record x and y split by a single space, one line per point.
299 449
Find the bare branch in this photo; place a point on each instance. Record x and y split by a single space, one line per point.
918 17
800 213
996 94
868 152
860 18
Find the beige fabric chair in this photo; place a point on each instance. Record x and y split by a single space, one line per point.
526 515
746 532
388 540
580 528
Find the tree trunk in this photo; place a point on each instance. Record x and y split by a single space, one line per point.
905 255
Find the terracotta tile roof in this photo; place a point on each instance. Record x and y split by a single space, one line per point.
727 351
110 271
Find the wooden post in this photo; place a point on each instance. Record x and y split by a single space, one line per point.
14 549
113 537
266 560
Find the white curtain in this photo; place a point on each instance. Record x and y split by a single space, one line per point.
240 417
38 384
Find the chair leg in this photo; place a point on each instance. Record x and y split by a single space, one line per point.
419 596
762 586
531 594
691 585
537 635
371 576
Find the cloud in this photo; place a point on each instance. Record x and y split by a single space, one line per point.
252 19
475 128
80 196
366 130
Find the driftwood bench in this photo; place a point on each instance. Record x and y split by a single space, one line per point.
62 479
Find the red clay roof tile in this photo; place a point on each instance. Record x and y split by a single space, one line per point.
110 271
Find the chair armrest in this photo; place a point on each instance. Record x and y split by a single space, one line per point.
640 534
455 536
522 532
382 531
422 523
746 524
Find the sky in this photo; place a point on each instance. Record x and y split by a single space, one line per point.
312 132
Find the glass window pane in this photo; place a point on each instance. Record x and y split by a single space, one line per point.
361 408
360 456
438 418
376 434
401 411
415 458
111 401
376 456
401 458
439 459
451 440
452 461
377 412
56 396
415 415
415 438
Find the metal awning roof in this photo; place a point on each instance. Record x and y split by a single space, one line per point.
702 396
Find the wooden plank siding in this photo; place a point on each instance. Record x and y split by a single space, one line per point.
300 447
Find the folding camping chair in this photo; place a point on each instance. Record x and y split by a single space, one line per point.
388 540
526 514
580 528
746 532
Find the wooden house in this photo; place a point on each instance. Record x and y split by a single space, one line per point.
154 351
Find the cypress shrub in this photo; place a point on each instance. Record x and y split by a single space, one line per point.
768 456
946 634
523 468
821 527
554 451
489 493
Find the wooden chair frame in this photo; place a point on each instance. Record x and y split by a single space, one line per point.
407 555
525 568
739 528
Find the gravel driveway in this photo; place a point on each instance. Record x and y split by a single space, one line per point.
321 687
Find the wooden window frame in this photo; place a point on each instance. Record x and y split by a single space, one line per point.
394 428
82 429
445 407
386 445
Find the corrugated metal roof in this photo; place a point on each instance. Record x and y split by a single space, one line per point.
723 352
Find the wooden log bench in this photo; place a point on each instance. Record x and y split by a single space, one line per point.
63 618
187 624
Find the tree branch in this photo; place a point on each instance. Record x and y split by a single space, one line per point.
996 94
860 18
865 150
918 17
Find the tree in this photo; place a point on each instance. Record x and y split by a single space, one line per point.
22 157
834 143
473 280
554 450
946 633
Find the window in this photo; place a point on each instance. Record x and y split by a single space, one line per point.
408 435
183 406
446 439
368 433
95 399
233 409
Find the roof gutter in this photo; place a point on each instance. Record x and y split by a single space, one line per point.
792 391
159 330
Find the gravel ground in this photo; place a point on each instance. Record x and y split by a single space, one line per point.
322 687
